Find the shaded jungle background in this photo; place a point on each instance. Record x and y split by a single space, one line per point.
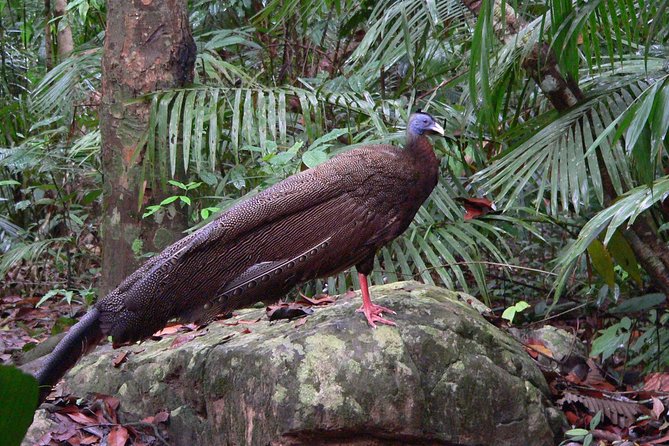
552 203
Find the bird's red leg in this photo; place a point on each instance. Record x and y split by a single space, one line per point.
372 311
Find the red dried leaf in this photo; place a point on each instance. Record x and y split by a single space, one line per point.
170 329
74 440
320 299
658 408
118 436
476 207
572 418
246 322
65 432
100 414
596 379
82 418
656 382
120 358
573 378
246 331
162 417
90 439
241 322
184 339
535 347
300 322
111 401
12 299
95 430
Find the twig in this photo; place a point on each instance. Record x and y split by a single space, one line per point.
151 425
481 262
518 282
441 84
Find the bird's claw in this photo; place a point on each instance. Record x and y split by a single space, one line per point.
373 314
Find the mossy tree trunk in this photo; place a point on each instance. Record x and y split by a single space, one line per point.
148 47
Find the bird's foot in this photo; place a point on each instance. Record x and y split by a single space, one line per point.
373 314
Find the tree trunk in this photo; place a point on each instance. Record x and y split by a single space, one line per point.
148 47
542 66
64 35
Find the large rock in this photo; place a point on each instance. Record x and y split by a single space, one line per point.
444 375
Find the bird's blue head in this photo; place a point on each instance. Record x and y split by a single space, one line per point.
420 123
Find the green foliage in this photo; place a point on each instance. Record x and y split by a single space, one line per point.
510 312
85 295
18 401
612 338
584 435
650 348
183 199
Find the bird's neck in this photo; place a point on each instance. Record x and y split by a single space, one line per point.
420 148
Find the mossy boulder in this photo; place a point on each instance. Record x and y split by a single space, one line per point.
444 375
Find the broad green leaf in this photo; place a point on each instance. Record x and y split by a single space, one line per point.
611 339
510 313
169 200
313 158
602 262
577 432
623 254
639 303
18 401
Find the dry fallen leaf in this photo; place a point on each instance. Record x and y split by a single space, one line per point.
120 359
244 321
658 408
90 439
476 207
82 418
284 310
170 329
319 299
185 338
656 382
300 322
162 417
535 347
118 436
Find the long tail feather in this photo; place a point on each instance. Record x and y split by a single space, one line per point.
82 337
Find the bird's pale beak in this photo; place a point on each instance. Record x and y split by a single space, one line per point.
436 128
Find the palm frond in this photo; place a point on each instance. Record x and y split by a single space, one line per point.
30 251
405 31
621 214
208 122
558 155
72 81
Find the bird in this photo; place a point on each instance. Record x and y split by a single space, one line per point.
313 224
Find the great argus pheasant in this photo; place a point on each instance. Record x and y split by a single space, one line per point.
313 224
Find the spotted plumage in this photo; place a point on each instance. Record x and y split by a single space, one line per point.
313 224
